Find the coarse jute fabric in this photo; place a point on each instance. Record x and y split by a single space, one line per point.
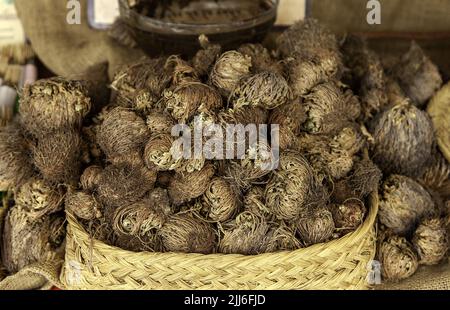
69 49
39 276
426 278
339 264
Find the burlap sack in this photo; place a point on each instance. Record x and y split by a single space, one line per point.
396 15
69 49
426 278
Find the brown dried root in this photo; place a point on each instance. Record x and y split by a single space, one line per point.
150 75
159 197
351 139
315 225
404 138
289 117
183 233
205 57
348 216
38 198
158 122
229 69
367 75
364 178
90 178
26 241
290 187
57 156
15 162
91 152
431 241
187 99
329 109
281 238
83 205
182 71
122 184
245 235
188 186
418 75
222 199
261 58
53 104
266 89
403 202
398 259
121 132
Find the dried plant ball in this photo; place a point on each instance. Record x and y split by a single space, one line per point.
245 115
311 67
261 58
267 90
398 259
253 164
38 198
315 225
431 241
205 58
53 104
150 74
351 139
289 118
326 158
282 238
439 110
255 202
159 197
289 188
187 186
160 123
90 178
404 138
306 34
182 233
182 71
228 70
418 75
222 199
437 176
349 215
403 202
159 153
245 235
122 184
26 241
364 178
57 156
188 99
142 219
83 205
15 163
329 109
122 131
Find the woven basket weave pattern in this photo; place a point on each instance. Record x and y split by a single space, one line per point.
339 264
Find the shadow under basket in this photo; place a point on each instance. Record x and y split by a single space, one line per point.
338 264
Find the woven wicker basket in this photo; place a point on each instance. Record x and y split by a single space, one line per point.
339 264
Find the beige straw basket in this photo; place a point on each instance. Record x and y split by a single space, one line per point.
339 264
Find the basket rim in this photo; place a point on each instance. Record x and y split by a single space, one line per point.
76 230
